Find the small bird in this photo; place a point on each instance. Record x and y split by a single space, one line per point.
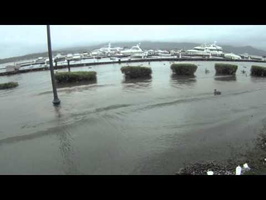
210 172
238 170
206 71
216 92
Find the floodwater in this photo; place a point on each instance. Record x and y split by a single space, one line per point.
118 126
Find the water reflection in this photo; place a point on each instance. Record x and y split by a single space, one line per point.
57 111
65 147
69 85
80 88
177 80
255 79
137 83
225 78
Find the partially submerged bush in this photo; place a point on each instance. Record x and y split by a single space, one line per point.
258 70
225 69
8 85
184 69
136 71
74 77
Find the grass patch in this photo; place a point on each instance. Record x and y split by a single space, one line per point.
74 77
8 85
136 71
258 70
184 69
225 69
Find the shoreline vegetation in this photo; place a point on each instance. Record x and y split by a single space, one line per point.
134 72
255 157
225 69
8 85
75 77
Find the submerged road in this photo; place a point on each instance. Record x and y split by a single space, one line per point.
115 126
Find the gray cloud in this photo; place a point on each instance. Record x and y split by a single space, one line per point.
22 39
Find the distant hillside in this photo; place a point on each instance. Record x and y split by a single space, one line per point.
245 49
170 45
144 45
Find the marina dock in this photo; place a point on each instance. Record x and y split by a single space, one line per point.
125 61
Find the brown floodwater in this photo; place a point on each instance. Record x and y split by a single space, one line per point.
117 126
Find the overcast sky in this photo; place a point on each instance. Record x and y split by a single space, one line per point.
16 40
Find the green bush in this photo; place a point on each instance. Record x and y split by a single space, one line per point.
225 69
258 70
136 71
184 69
8 85
74 77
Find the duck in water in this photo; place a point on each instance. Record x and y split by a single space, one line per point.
206 71
217 92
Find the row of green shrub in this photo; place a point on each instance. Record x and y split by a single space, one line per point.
136 71
8 85
73 77
258 71
220 68
225 69
183 69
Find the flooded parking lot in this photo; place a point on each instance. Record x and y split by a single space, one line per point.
114 126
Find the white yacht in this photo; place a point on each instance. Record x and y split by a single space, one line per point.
106 51
69 56
151 52
110 50
60 57
39 60
96 53
206 50
133 50
47 62
76 57
139 55
232 56
163 53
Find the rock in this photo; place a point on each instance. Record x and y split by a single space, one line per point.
210 172
246 166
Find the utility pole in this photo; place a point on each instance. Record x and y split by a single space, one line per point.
56 100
